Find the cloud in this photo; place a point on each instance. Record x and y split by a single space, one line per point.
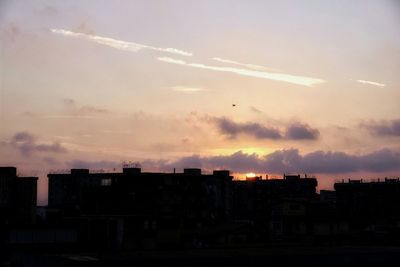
371 83
10 32
295 131
26 143
49 11
383 128
232 129
54 147
23 137
289 161
279 161
255 110
172 60
69 103
251 71
238 162
118 44
51 161
185 89
298 131
72 107
92 110
299 80
246 65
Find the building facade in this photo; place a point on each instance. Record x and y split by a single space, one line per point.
17 197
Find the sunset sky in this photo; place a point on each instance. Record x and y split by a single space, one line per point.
250 86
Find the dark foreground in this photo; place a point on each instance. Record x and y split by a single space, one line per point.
288 256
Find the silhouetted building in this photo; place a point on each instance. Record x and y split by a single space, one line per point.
141 207
328 196
371 207
276 207
17 197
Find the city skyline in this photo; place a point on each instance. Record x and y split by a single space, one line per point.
261 86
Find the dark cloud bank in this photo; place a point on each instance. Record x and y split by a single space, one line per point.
280 161
294 131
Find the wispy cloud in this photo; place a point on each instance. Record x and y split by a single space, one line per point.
255 110
118 44
383 128
27 144
185 89
372 83
300 80
251 69
246 65
172 60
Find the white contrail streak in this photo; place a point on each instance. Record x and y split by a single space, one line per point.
246 65
118 44
371 83
185 89
300 80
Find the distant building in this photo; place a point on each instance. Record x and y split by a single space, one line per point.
17 197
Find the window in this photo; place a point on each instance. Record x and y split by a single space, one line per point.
106 182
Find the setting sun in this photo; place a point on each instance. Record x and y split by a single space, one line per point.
250 175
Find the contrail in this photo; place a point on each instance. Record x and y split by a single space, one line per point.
118 44
371 83
246 65
300 80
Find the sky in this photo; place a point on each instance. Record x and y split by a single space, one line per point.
269 87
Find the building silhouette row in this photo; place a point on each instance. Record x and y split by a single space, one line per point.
135 210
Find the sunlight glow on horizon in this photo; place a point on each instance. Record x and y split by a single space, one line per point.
250 175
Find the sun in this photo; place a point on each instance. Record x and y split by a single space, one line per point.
250 175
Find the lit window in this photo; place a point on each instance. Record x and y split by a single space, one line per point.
106 182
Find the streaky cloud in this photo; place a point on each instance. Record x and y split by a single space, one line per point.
246 65
185 89
172 60
299 80
372 83
118 44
